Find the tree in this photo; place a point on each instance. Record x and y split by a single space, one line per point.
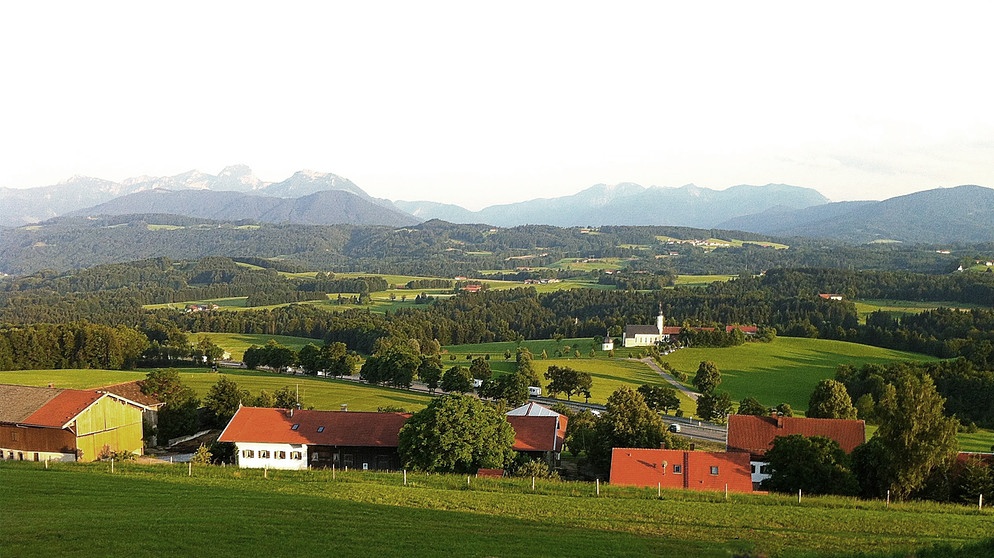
179 414
567 380
457 380
207 350
973 479
708 377
480 369
816 465
511 388
430 372
831 400
287 398
222 400
627 422
457 434
714 407
310 358
659 398
915 432
523 360
752 406
785 410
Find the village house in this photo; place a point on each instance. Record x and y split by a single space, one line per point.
670 468
298 439
50 424
754 436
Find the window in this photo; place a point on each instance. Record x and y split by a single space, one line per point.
764 469
37 457
320 429
13 435
263 454
294 427
714 469
754 469
677 469
281 455
295 455
248 454
347 460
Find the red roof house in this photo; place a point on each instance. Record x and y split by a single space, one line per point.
295 439
754 435
693 470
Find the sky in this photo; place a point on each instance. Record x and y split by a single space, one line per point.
478 103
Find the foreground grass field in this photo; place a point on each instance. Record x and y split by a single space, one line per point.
145 510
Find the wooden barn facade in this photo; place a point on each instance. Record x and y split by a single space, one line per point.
39 424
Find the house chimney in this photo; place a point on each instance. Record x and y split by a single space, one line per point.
692 446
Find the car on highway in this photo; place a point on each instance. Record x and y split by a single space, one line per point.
674 427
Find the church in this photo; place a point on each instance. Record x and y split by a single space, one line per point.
649 335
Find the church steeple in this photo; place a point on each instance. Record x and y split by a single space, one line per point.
660 319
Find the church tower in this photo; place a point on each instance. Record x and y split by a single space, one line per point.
660 320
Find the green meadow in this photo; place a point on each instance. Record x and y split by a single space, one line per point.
897 308
144 510
319 393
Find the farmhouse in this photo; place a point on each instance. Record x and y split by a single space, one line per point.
296 439
132 391
693 470
754 435
39 424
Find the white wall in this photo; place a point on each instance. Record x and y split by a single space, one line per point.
756 468
27 455
258 460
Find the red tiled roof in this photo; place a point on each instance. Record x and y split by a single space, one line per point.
755 434
698 470
672 330
338 428
538 433
62 408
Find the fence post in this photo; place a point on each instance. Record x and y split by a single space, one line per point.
659 490
111 464
726 491
190 463
798 495
888 497
598 487
980 504
405 477
533 484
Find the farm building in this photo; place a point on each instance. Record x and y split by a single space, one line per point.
669 468
754 435
539 432
132 391
39 424
296 439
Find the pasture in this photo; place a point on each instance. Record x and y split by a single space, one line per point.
898 308
246 512
319 393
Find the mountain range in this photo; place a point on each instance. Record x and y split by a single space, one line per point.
960 214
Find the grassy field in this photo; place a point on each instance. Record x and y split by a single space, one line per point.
320 393
898 308
786 370
700 280
144 510
236 343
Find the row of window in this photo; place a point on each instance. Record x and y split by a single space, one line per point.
265 454
19 456
296 426
678 469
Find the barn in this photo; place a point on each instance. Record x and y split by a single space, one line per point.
51 424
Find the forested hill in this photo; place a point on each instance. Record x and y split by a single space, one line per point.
438 249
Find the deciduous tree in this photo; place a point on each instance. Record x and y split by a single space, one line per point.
831 400
708 377
457 434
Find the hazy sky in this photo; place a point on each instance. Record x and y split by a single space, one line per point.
478 103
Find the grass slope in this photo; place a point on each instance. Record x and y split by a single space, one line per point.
238 512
